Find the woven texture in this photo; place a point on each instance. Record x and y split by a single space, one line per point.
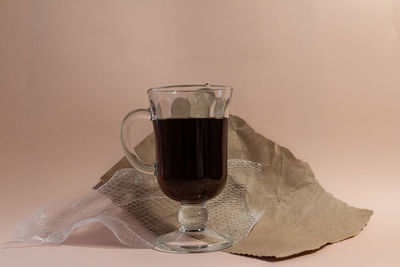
133 207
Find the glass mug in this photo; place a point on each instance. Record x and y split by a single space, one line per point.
190 124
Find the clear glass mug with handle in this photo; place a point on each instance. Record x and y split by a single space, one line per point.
190 124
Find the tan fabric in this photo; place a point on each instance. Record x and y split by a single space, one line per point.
300 215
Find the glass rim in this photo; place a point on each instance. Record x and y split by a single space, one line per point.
189 88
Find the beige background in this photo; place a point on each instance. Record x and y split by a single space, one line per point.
319 77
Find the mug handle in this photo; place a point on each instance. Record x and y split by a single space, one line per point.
132 157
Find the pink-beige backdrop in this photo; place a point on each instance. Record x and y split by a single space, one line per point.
319 77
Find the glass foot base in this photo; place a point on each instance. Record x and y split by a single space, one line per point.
193 241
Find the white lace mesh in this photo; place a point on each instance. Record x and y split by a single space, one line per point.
133 207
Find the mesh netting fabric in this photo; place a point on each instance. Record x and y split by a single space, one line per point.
133 207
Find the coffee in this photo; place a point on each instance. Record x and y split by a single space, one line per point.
191 157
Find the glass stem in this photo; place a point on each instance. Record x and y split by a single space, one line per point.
193 217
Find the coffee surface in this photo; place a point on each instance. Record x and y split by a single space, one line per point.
191 157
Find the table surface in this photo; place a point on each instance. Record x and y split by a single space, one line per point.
95 245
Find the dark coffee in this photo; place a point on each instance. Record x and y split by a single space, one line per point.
191 157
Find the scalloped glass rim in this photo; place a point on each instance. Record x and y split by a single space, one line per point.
190 88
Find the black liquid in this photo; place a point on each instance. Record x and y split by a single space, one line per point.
191 157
